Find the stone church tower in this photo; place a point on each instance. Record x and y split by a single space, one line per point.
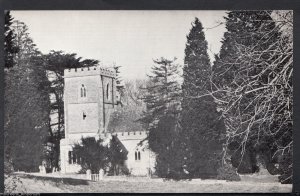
90 97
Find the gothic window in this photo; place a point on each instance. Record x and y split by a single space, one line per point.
82 91
70 157
137 155
74 159
107 91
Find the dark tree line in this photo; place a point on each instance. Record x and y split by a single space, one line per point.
237 111
34 113
26 100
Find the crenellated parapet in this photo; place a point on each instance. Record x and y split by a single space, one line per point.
132 135
89 71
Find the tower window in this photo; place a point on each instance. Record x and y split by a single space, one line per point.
107 91
70 157
83 115
137 155
74 159
82 91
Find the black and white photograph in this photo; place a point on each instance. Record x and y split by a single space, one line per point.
148 101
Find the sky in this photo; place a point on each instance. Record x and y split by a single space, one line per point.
131 39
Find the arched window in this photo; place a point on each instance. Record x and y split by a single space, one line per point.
83 115
70 157
107 91
137 155
74 158
82 91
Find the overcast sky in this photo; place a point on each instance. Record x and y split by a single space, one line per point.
131 39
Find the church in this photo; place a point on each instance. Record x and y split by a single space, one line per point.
90 97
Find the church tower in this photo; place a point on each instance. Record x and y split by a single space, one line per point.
89 99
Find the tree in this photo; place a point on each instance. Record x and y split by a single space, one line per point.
252 85
91 154
55 64
119 81
201 123
117 154
26 114
162 99
24 43
165 142
10 49
243 29
162 92
26 102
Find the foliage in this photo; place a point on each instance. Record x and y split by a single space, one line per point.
117 155
202 127
24 43
165 142
10 49
92 154
162 92
119 81
26 114
26 101
252 82
162 99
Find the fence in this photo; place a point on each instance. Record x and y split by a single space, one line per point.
94 177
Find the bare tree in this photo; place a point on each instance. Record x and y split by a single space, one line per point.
257 103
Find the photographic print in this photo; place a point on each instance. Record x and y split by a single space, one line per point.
146 101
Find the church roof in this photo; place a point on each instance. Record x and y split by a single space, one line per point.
125 119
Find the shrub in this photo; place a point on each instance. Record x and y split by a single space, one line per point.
124 171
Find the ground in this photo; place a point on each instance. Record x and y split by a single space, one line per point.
30 183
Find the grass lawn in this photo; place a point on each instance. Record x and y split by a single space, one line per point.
42 184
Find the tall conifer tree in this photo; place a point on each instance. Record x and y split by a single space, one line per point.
10 48
200 120
163 105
